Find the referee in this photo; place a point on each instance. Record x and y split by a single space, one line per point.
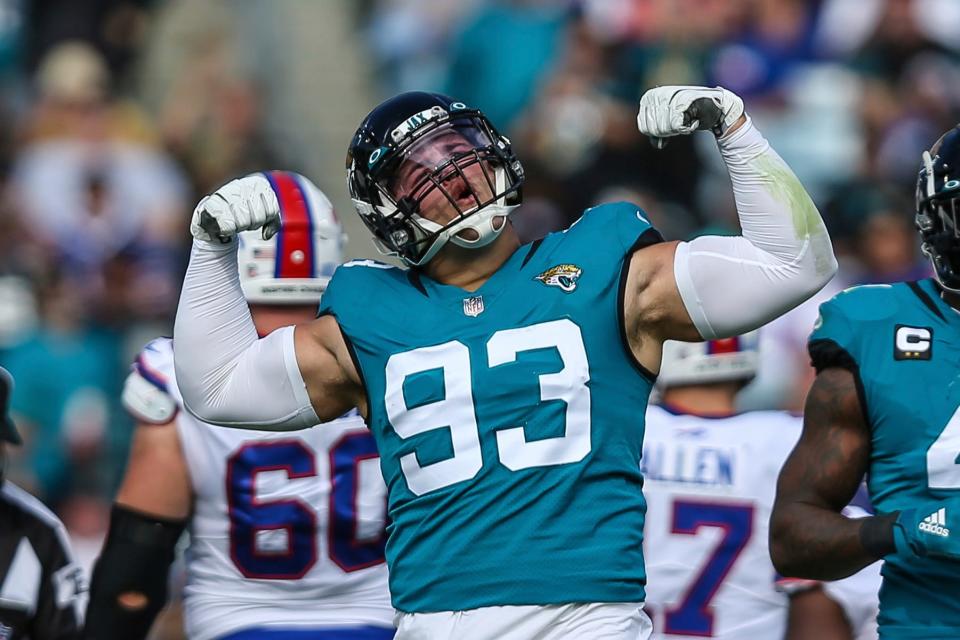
41 587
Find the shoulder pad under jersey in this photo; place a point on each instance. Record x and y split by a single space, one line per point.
623 223
146 391
839 329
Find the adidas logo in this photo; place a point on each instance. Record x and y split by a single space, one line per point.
934 523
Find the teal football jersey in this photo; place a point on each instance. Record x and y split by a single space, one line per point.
902 341
509 421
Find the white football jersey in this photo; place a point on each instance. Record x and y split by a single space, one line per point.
287 527
710 485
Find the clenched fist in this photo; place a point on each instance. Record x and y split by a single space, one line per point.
681 110
241 204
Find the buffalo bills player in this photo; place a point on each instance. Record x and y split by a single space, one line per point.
286 530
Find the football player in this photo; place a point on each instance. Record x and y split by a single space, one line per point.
286 530
505 384
709 477
885 403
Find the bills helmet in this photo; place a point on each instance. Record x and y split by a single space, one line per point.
420 152
727 360
938 208
295 265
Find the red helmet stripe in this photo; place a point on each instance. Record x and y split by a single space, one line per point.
724 345
294 257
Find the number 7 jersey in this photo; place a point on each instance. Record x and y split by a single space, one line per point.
287 529
710 483
509 421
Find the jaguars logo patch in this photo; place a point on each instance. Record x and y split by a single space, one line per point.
563 276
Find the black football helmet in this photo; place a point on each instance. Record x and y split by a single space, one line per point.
419 149
938 208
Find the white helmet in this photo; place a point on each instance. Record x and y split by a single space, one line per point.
295 265
726 360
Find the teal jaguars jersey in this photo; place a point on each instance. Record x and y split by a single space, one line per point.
509 421
903 343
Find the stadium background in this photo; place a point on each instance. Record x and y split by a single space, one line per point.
116 116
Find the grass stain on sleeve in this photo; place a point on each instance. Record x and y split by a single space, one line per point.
786 188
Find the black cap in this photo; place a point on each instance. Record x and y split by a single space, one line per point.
8 430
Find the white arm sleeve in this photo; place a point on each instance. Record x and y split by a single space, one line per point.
228 376
730 285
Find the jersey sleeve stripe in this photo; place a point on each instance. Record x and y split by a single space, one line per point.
647 238
826 354
925 299
150 374
352 350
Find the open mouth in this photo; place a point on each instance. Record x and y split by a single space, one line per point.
464 197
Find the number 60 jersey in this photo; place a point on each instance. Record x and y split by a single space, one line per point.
287 528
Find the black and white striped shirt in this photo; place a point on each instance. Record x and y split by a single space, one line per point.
41 586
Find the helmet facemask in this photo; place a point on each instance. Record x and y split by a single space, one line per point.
938 220
451 179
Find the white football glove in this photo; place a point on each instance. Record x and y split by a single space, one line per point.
241 204
678 110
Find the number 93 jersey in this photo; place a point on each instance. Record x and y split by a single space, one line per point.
902 344
509 421
287 528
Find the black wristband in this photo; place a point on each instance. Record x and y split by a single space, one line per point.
136 558
876 534
144 529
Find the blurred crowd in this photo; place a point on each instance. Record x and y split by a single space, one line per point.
850 92
98 175
116 117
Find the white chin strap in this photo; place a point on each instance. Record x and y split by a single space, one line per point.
485 225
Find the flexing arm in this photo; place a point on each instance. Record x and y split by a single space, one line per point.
226 374
809 538
715 286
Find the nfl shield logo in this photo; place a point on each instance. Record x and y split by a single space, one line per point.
473 306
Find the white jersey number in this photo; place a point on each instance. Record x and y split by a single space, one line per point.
455 411
943 456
